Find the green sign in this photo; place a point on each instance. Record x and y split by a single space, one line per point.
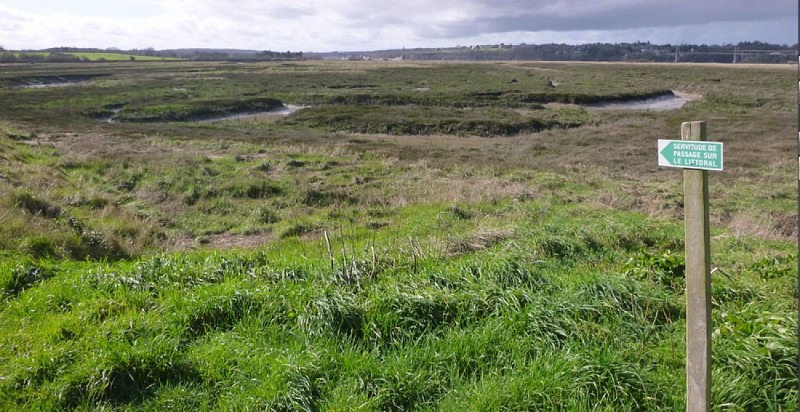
688 154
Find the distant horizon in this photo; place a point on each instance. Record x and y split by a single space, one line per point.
456 46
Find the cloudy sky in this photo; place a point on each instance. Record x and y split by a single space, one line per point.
331 25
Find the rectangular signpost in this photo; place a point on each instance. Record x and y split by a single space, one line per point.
690 154
698 156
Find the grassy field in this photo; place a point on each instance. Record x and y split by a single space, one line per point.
105 56
119 57
408 236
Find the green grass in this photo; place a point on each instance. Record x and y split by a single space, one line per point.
559 315
119 57
100 56
417 120
374 250
192 110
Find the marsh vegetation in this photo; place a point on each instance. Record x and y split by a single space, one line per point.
431 236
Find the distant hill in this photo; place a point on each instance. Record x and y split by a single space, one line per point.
196 51
744 52
73 54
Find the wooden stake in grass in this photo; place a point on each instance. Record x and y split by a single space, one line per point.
413 252
330 251
374 259
698 280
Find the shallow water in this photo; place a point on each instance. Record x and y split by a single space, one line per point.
272 114
43 85
250 116
655 104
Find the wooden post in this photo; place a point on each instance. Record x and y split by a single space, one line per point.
798 212
698 280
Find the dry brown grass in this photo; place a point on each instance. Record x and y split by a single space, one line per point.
610 163
480 239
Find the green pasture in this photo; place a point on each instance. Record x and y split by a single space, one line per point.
119 57
103 56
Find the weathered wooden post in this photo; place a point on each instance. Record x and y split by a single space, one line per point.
697 156
798 209
698 279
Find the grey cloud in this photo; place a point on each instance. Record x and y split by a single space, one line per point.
286 12
368 24
562 16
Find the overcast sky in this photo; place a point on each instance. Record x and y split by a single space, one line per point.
344 25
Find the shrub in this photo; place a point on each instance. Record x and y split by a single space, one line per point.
22 276
39 246
666 268
263 214
36 206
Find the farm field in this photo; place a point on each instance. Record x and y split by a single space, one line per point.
104 56
386 236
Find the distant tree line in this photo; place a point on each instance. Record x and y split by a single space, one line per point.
745 52
227 54
64 54
38 57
